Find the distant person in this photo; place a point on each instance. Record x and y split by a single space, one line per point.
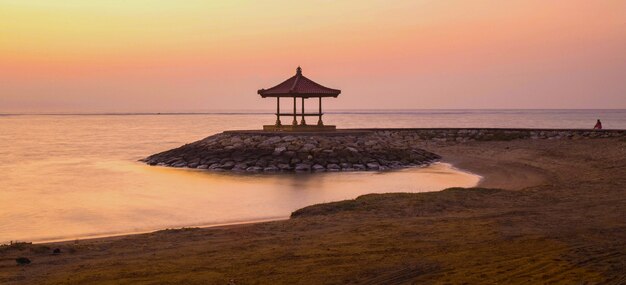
598 125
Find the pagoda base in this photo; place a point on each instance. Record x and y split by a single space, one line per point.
299 128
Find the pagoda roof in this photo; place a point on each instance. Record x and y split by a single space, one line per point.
299 86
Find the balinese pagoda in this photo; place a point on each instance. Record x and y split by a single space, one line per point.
298 86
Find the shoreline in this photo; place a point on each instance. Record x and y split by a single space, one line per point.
96 237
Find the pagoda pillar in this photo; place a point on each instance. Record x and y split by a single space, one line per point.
295 122
278 111
319 121
303 122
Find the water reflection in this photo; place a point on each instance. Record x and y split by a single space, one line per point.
157 197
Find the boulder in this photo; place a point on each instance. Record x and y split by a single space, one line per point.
303 167
254 169
279 150
179 164
306 147
345 165
318 168
333 167
227 165
289 138
214 166
359 166
240 166
284 166
373 166
271 168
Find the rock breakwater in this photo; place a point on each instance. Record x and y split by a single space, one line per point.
258 152
347 150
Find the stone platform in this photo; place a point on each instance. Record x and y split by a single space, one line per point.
299 128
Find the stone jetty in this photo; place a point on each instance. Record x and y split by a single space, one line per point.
286 152
345 150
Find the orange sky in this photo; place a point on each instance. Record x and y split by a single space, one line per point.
163 56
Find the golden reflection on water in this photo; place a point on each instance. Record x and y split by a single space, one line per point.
158 197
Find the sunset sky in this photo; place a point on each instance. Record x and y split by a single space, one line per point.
177 56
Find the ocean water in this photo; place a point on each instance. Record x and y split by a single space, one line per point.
77 176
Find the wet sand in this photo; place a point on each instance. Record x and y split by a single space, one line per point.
547 211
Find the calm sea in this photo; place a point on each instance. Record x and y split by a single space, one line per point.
77 176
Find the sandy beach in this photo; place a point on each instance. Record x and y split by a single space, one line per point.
546 211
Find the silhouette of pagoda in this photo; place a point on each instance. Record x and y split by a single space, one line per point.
298 86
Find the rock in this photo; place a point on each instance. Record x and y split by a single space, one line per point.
254 169
227 165
240 167
318 168
179 164
284 166
56 251
303 167
289 138
237 145
279 150
273 140
243 165
359 166
293 147
235 140
333 167
214 166
203 166
371 143
306 147
261 162
353 150
373 166
271 168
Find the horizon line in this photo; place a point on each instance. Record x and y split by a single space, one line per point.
267 111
